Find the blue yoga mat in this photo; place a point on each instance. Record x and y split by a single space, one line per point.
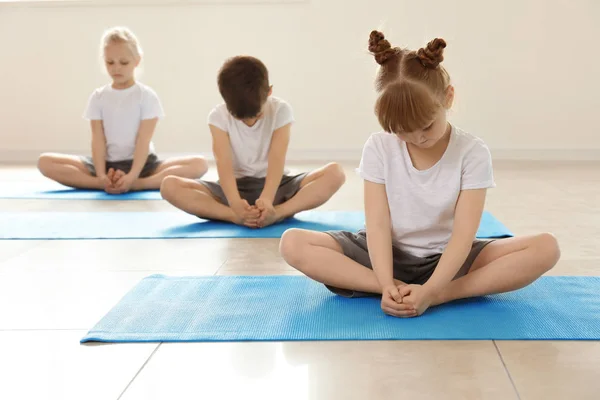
148 225
284 308
56 191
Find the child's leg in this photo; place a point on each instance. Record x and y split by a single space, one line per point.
185 167
194 198
320 257
68 170
505 265
315 189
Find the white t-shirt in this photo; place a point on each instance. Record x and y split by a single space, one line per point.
250 145
422 203
121 111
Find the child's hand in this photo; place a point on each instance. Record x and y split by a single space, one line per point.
246 214
416 296
118 174
106 181
113 176
268 215
123 185
393 304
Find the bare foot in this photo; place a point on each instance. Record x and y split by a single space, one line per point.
112 190
244 214
268 214
137 185
438 299
251 217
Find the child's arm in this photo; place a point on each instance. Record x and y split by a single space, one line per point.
379 232
379 242
276 163
467 217
140 155
142 145
221 147
98 147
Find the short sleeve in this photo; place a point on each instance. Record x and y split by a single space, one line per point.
283 116
218 117
151 106
93 111
371 163
477 171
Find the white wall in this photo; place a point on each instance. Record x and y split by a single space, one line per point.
526 72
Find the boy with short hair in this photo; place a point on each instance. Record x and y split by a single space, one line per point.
251 133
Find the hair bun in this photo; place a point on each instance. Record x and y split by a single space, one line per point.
381 48
433 54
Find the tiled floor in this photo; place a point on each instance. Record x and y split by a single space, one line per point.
52 292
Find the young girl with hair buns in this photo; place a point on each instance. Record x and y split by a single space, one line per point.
123 117
425 183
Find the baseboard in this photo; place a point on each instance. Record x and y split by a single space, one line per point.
351 155
63 4
30 157
547 154
497 154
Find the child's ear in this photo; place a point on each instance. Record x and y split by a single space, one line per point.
270 90
137 62
449 100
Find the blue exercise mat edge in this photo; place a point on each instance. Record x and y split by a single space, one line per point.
162 225
466 313
29 191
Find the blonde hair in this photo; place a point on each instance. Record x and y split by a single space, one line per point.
122 35
412 84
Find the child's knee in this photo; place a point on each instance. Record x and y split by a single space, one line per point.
200 165
169 186
291 245
45 163
336 174
548 248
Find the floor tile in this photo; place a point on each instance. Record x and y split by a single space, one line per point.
324 370
199 256
553 370
12 248
53 365
61 299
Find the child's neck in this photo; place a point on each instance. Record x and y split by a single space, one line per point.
423 159
250 123
125 85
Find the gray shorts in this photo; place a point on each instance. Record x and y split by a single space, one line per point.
250 188
152 163
407 267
